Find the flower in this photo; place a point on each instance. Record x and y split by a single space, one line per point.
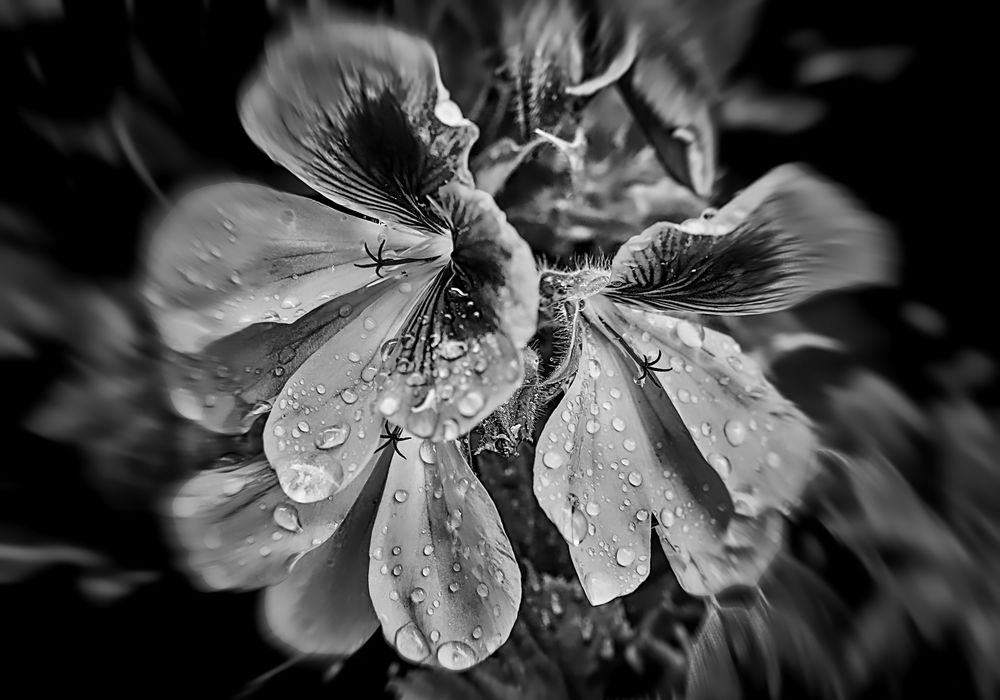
371 340
666 420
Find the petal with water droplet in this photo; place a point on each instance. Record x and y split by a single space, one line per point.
611 476
233 255
235 527
350 108
788 237
458 356
761 444
236 379
469 584
329 390
323 607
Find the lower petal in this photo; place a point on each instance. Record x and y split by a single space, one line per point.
323 607
442 575
238 530
761 445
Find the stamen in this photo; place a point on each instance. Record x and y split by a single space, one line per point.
378 262
644 364
392 437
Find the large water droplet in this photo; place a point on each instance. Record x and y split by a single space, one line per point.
410 643
417 595
334 436
691 335
552 459
735 432
720 464
578 526
400 496
427 451
618 424
348 396
286 516
456 656
470 404
635 478
625 556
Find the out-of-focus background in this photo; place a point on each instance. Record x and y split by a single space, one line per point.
107 109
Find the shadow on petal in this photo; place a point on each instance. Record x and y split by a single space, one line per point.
323 607
442 575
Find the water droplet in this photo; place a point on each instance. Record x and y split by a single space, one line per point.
400 496
477 632
618 424
593 426
483 590
578 527
625 556
470 404
410 643
290 302
593 509
428 550
348 396
691 335
417 595
354 357
594 368
456 656
552 460
388 405
635 478
303 426
370 324
735 432
286 516
427 451
331 437
666 518
628 444
720 464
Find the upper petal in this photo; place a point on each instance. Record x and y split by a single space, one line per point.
232 255
239 530
442 575
611 458
324 428
359 113
791 235
459 355
323 607
760 443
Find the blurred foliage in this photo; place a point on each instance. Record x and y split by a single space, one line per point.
886 585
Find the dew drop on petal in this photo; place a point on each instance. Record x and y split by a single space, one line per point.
410 643
578 527
348 396
593 509
552 459
470 404
456 656
290 302
735 432
618 424
427 451
417 595
691 335
666 518
370 324
625 556
635 478
594 368
286 516
400 496
593 426
334 436
629 444
483 590
720 464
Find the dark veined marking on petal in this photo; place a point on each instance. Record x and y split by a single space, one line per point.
755 269
392 436
370 149
645 365
379 261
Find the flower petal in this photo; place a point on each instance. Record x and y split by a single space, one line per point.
358 112
239 531
442 576
236 254
459 356
235 379
761 445
611 458
324 428
323 607
794 235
